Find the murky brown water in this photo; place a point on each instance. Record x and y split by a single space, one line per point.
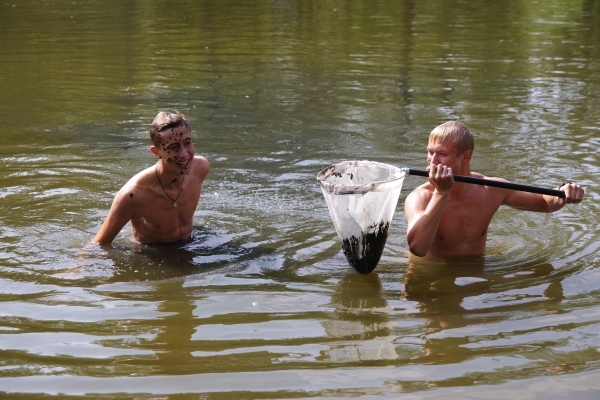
262 303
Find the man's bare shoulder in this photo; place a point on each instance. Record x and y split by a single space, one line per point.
139 185
201 167
491 190
420 196
493 178
143 178
425 189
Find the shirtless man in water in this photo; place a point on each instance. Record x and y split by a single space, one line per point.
448 218
160 201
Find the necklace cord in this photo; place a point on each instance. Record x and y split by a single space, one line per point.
163 188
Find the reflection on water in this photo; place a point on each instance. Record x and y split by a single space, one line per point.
451 281
460 299
361 318
262 303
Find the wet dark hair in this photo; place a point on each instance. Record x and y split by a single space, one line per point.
164 120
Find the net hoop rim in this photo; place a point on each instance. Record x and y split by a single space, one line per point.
377 186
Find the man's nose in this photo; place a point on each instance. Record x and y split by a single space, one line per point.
183 152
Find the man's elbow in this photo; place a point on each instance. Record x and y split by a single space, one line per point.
417 250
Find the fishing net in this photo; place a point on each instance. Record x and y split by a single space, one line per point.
362 197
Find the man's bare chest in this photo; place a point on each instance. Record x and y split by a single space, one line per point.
167 209
468 217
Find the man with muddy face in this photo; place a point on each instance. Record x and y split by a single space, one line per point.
160 201
447 218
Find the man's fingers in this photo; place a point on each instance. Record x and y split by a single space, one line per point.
443 171
433 170
440 176
438 171
573 193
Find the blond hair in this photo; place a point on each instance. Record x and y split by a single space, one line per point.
455 131
164 120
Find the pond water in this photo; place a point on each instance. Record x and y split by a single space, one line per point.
262 303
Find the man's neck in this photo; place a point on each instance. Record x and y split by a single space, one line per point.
464 171
167 175
460 188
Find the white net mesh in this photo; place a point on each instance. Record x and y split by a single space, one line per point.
362 197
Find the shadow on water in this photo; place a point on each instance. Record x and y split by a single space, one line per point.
206 251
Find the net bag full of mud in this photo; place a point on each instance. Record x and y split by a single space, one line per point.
361 197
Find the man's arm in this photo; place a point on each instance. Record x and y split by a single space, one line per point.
423 222
543 203
424 210
116 219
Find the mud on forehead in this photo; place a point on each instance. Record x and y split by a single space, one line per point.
173 134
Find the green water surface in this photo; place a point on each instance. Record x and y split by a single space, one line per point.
262 303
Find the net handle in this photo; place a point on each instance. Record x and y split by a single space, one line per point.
490 182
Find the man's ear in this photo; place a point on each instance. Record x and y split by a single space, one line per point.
154 151
466 156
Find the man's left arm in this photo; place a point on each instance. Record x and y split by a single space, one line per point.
543 203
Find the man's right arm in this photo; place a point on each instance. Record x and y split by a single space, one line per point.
116 219
424 209
423 213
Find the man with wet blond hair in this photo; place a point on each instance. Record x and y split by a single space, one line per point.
160 201
455 131
447 218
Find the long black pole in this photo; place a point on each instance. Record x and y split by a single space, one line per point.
489 182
